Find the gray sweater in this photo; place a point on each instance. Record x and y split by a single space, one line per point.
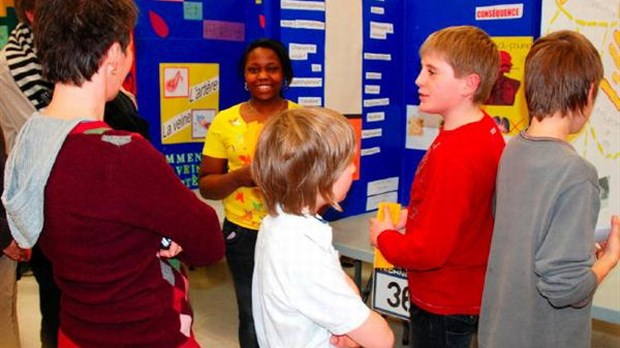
539 281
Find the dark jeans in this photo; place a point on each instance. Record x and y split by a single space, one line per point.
240 243
430 330
49 298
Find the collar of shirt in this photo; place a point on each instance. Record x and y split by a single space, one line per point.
313 227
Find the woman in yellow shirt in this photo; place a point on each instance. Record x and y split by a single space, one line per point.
225 168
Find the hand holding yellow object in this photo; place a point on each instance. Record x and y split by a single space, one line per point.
394 211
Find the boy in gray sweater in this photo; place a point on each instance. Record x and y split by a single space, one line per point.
543 267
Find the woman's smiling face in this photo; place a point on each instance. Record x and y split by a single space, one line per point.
263 74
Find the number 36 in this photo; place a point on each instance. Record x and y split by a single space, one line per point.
400 297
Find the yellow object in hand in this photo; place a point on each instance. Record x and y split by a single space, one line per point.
394 209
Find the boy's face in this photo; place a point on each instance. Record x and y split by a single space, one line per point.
439 90
343 183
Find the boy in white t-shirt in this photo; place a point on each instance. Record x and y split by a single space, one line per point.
301 297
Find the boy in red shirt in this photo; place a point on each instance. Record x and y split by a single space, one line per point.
449 219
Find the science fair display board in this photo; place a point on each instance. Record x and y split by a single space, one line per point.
512 26
187 55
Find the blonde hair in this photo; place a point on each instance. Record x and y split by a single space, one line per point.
301 153
559 71
468 50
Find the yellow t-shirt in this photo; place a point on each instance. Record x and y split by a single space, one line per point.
229 137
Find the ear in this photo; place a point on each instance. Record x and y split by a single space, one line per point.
30 16
587 110
471 84
113 58
591 92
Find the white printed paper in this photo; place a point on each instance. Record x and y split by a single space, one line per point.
375 116
381 186
310 101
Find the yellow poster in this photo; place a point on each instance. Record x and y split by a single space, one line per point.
189 95
507 101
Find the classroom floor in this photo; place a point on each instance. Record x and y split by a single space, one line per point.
215 311
211 294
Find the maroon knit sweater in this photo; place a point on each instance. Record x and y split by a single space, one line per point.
109 200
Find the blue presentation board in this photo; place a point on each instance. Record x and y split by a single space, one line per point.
424 17
393 33
172 32
382 107
189 48
200 42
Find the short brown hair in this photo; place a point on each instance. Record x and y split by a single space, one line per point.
559 71
468 50
301 153
73 36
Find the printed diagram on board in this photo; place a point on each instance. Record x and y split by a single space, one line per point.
506 104
189 94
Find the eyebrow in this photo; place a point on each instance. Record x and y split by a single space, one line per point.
270 63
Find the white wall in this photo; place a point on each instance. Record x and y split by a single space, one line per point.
343 56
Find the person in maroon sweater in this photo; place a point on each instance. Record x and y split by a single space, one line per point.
99 200
449 219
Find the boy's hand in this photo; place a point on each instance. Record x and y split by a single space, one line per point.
343 341
402 221
378 226
171 252
609 251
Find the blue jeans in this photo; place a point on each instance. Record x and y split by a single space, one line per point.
240 243
430 330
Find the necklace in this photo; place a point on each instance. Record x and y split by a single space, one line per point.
281 107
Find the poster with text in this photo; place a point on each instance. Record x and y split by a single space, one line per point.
189 95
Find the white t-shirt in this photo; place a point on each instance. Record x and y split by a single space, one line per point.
300 296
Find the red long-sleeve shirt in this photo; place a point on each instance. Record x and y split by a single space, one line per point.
448 232
109 200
